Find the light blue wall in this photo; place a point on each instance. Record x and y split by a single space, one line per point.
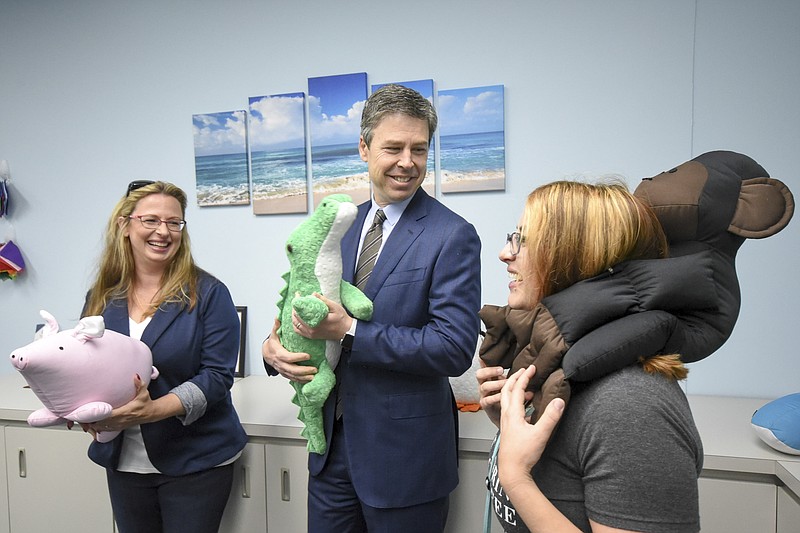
96 93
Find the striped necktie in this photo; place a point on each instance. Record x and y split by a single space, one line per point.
369 250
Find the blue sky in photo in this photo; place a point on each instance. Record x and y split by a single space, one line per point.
470 110
334 108
219 133
423 87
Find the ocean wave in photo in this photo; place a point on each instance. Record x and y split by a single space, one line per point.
223 195
473 152
343 183
333 162
222 179
278 174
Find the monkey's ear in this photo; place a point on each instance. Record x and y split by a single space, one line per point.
765 207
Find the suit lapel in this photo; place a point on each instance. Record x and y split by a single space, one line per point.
162 319
115 317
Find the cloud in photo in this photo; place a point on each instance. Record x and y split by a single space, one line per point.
277 122
219 133
473 110
334 129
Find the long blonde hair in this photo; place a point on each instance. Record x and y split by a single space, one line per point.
115 272
574 231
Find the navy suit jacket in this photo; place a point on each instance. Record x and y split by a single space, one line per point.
399 413
200 346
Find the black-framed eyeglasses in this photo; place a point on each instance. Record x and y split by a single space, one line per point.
137 184
153 222
515 240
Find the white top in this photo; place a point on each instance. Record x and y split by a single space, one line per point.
134 455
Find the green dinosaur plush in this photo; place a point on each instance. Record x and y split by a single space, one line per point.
315 260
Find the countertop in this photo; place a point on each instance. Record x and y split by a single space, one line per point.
266 412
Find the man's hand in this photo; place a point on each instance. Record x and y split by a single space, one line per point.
285 362
333 326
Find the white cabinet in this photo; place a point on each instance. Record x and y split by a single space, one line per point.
287 486
3 485
468 501
52 484
788 512
47 483
247 505
728 505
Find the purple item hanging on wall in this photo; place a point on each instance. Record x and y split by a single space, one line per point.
3 197
11 261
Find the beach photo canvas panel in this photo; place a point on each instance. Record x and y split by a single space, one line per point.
277 152
220 158
334 116
425 88
472 139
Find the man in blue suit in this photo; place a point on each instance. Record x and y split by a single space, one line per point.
392 456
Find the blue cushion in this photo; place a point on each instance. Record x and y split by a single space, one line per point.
778 423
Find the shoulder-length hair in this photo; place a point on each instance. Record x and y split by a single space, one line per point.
574 231
115 272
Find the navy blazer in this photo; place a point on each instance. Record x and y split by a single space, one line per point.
399 413
200 346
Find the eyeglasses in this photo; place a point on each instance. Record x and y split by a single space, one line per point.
137 184
153 222
515 240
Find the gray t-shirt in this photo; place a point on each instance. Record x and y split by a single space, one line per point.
626 454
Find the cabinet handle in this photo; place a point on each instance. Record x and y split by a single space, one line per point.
286 488
23 465
245 482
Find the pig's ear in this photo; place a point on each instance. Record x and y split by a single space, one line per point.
90 327
50 324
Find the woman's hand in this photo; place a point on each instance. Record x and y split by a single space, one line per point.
134 412
490 381
142 409
124 416
522 443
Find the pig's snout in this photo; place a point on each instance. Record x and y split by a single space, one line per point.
19 361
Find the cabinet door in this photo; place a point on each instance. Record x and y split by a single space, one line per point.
247 506
788 512
468 501
287 487
3 485
728 505
52 484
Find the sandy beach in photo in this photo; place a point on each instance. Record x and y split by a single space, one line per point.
295 203
492 180
359 196
356 186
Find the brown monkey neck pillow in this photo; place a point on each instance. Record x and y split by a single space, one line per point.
686 304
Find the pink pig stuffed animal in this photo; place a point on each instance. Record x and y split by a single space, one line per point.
81 374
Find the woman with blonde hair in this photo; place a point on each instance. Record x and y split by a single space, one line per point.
171 468
626 454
